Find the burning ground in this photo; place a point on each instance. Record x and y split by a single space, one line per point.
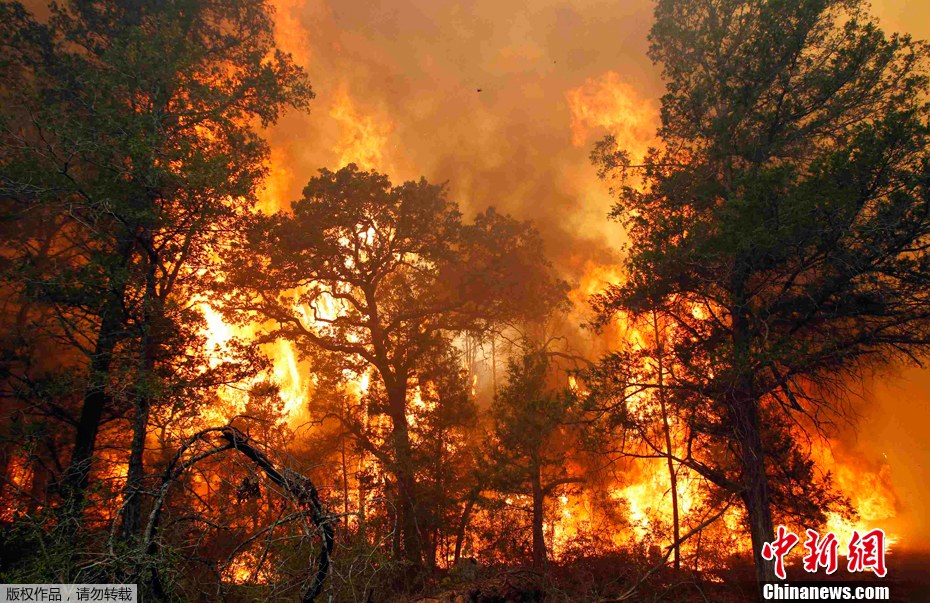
467 448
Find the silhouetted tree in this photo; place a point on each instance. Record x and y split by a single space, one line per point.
782 227
128 128
445 427
372 275
531 441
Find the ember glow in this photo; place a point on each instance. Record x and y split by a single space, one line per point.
595 101
448 482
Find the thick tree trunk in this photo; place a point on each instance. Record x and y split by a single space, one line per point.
744 405
755 483
132 493
539 538
431 546
77 475
405 479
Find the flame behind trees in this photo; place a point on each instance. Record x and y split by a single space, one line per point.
531 440
791 206
363 295
142 169
366 275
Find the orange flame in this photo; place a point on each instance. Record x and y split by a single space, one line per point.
870 493
609 103
364 136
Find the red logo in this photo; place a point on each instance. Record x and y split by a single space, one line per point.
821 552
865 552
784 542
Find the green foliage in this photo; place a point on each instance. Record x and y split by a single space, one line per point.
129 152
401 254
529 418
788 201
530 445
446 428
781 229
129 129
369 278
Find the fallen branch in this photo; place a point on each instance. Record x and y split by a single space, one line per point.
302 491
668 551
304 494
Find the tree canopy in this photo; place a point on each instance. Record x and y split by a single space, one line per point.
377 276
130 151
782 225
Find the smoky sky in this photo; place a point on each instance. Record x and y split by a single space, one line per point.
472 94
477 94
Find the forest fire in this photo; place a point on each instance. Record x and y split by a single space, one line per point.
609 103
423 304
870 492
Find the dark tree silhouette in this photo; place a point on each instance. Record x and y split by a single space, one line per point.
380 276
783 225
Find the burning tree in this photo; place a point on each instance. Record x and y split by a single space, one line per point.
445 428
363 275
129 151
136 171
530 443
637 410
782 228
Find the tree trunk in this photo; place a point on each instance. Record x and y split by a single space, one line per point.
132 493
463 526
345 484
744 405
6 460
362 491
77 475
405 479
755 484
431 545
673 478
539 539
393 518
493 366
